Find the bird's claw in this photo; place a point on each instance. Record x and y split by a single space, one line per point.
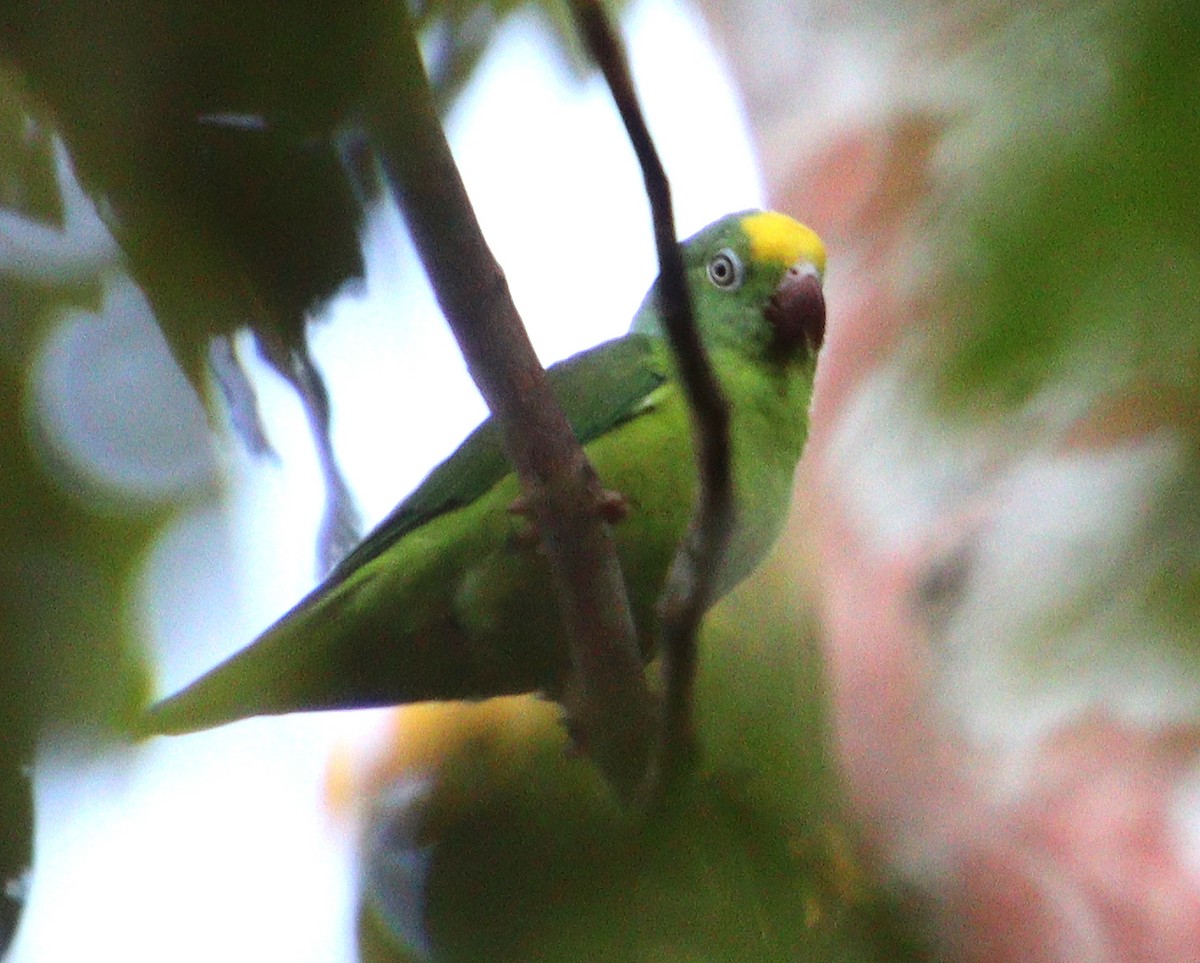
613 506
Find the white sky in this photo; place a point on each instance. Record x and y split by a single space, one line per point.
219 845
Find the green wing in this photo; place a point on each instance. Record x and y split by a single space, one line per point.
598 389
321 656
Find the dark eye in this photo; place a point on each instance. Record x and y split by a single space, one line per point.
725 269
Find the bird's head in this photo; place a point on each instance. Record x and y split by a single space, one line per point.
756 282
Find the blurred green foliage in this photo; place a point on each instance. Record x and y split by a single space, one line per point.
1079 296
67 664
62 565
1087 264
518 851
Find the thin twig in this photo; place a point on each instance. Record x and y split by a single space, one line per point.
689 588
612 710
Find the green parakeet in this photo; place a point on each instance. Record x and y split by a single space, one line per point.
449 598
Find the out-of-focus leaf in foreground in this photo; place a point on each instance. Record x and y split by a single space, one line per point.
488 840
1079 298
1086 261
67 664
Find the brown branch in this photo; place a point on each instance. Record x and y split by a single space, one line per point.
612 709
689 588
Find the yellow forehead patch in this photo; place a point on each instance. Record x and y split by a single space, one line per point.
776 237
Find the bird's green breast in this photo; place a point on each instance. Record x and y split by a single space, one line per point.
769 424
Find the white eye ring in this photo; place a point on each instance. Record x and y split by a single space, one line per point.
725 270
